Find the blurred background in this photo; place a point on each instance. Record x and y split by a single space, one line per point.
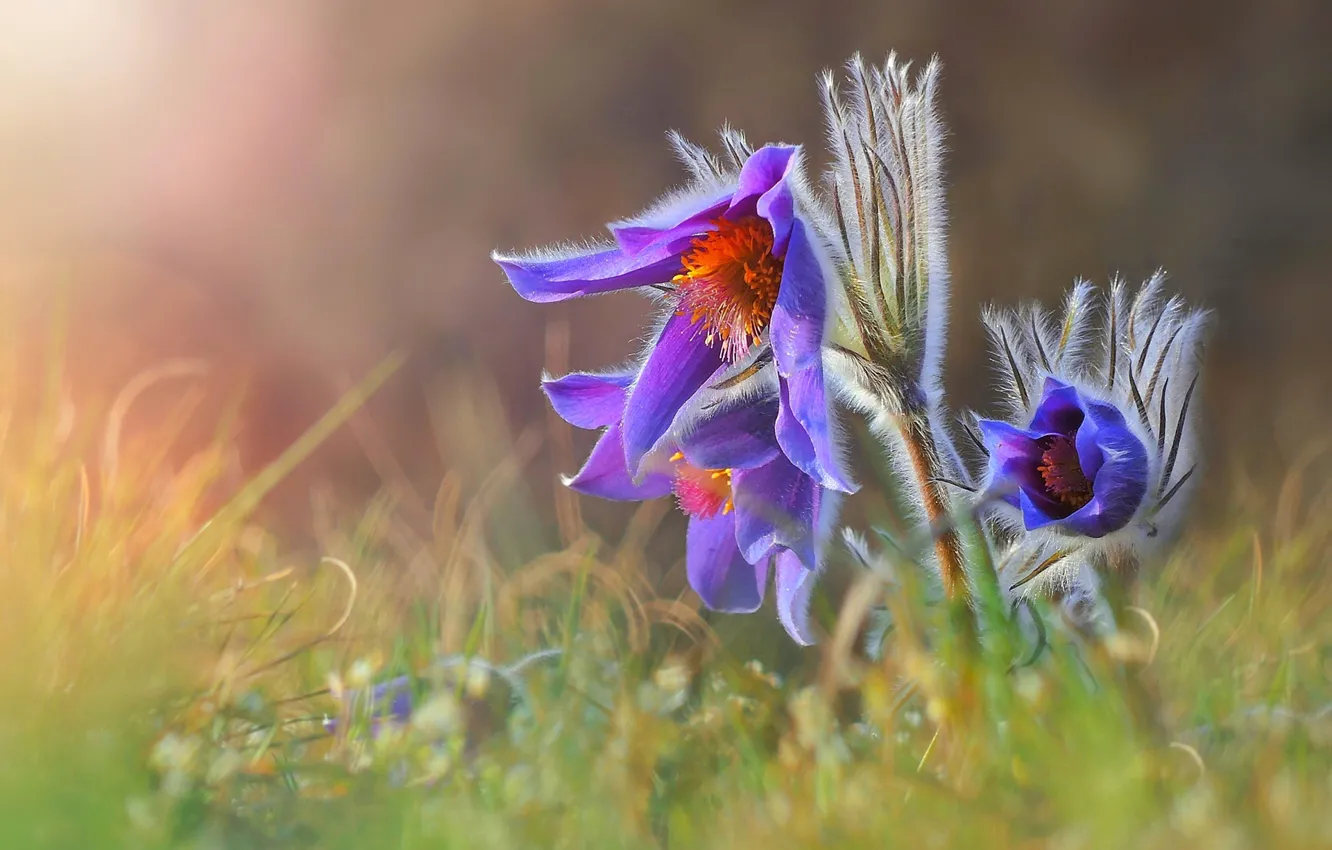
289 190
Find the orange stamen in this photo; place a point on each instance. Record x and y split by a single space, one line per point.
729 282
1061 471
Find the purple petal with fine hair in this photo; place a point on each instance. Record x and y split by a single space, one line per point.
1035 515
794 584
792 436
764 177
769 171
589 273
805 399
767 167
1014 456
716 569
679 364
796 331
605 474
775 505
736 437
1119 487
1101 417
674 225
589 401
1088 445
1060 410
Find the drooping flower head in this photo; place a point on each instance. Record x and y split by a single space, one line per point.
1096 455
750 509
745 278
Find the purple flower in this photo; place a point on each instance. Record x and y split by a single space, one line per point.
750 508
742 268
390 702
1077 466
1101 475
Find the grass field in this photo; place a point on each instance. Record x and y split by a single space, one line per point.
176 682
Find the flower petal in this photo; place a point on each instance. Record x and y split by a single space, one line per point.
589 401
675 220
775 505
1060 410
1119 488
1014 456
805 430
795 584
769 172
792 436
737 437
765 176
1035 515
798 318
1100 417
679 364
558 278
717 571
605 474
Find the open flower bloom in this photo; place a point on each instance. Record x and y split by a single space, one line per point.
750 509
1097 453
741 269
1076 465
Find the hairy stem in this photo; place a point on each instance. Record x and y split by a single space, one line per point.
918 438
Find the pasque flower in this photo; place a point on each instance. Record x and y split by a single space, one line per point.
750 509
745 279
1095 458
1077 464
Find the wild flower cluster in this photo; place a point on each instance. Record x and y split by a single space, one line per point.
782 309
783 306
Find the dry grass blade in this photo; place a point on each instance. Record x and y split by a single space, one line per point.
348 607
1289 497
1155 629
567 514
249 497
839 668
673 612
115 420
453 597
535 578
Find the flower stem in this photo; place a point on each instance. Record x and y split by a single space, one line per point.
918 438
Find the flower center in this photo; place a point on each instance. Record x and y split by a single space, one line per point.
729 282
1062 473
702 493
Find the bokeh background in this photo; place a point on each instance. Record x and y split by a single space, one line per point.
289 190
